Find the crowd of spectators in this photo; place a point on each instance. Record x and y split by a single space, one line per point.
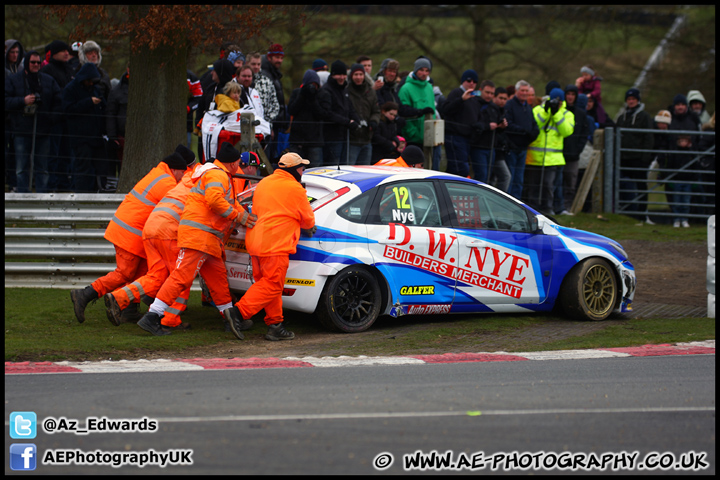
66 117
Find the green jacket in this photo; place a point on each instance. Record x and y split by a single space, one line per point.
416 94
547 149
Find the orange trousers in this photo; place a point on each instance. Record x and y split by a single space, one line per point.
129 267
269 275
189 264
161 259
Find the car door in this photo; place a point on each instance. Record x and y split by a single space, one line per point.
414 246
502 261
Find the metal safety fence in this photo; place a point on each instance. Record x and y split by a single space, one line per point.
683 189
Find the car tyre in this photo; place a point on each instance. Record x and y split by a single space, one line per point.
350 301
590 291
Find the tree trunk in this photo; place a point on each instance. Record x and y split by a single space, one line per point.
156 120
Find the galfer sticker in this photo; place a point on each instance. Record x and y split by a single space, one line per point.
418 290
494 267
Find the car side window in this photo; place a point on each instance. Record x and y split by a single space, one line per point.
409 203
477 207
356 210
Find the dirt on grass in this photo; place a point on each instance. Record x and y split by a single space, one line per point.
669 273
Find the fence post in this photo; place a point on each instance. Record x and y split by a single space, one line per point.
608 169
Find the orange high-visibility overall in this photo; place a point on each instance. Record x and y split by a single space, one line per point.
282 207
125 228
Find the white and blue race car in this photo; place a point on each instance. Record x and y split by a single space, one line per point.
403 241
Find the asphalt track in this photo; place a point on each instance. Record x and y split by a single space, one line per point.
356 415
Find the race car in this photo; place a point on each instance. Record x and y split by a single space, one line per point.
403 241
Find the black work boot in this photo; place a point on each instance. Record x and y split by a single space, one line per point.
113 309
237 323
278 332
177 328
150 322
131 314
80 299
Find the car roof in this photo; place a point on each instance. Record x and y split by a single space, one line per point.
368 176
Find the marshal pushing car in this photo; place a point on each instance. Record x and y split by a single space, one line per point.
402 241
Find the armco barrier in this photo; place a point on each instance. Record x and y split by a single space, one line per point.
55 240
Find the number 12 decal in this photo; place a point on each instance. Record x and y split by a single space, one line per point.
401 197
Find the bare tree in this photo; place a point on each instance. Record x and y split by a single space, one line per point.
160 38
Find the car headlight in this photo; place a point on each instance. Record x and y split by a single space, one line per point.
619 249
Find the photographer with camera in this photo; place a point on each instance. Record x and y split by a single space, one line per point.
545 153
33 101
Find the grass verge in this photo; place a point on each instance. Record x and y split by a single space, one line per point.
40 326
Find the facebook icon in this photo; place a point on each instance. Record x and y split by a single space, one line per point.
23 456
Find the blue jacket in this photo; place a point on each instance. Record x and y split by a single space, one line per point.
522 128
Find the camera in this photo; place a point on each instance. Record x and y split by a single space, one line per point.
552 104
32 108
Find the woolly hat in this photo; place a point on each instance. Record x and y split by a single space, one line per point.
413 155
250 158
234 55
572 88
557 93
356 67
319 64
57 46
551 84
175 161
422 62
186 153
663 116
469 74
680 98
588 70
276 49
227 153
338 68
633 92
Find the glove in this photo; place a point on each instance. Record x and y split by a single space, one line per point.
353 126
427 110
246 219
363 123
309 231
